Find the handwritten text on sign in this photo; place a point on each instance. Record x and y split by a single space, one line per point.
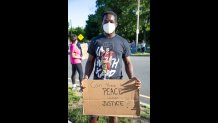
111 98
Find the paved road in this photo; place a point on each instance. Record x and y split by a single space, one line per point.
141 66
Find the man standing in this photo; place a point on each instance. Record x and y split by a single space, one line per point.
107 52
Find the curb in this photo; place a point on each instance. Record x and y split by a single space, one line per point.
144 104
141 55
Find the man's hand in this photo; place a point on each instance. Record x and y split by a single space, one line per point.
137 82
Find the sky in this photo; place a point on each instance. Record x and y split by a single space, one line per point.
78 11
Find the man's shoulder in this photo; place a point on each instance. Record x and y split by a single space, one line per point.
98 37
120 38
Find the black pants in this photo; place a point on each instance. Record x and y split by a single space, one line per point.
78 68
143 49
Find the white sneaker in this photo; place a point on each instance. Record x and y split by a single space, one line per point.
74 86
69 121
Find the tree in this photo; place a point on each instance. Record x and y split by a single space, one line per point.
126 12
77 31
92 27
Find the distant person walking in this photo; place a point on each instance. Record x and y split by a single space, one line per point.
143 46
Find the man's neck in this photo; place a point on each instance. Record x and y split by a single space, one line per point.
110 35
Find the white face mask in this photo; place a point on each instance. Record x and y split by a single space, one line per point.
109 27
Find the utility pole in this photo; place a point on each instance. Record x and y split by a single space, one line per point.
137 30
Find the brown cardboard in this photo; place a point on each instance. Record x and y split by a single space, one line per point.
111 98
84 47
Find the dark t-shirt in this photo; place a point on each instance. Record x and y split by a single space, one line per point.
108 54
79 46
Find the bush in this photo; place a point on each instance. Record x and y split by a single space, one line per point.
75 116
102 119
72 96
122 120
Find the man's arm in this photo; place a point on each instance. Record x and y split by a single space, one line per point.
129 71
128 67
89 66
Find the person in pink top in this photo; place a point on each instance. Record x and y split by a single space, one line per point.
75 59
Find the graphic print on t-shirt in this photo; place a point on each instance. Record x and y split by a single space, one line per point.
107 61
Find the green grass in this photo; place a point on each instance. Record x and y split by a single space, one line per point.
72 96
75 114
104 119
145 113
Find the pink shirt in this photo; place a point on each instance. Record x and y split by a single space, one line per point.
76 50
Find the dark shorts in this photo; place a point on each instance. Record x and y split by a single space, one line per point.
93 116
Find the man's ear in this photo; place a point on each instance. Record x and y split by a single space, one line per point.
116 24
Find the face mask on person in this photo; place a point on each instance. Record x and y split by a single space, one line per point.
109 27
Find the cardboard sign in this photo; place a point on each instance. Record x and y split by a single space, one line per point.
84 47
111 98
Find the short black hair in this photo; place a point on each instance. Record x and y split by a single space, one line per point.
110 12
